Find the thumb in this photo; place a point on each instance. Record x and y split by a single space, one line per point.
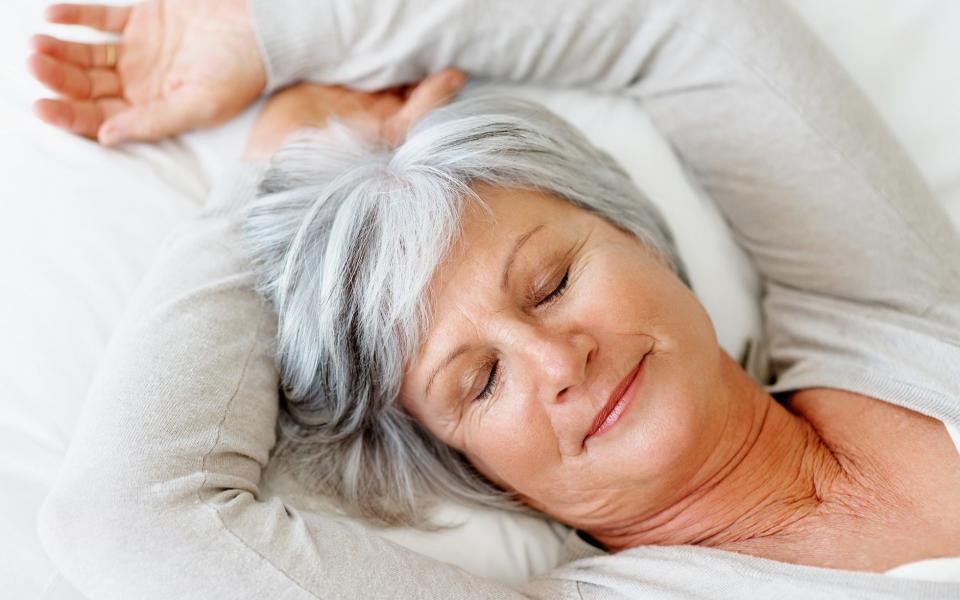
150 122
431 93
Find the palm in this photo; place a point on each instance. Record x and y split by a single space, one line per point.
159 85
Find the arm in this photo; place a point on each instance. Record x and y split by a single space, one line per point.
158 496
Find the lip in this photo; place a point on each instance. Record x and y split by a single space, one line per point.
617 403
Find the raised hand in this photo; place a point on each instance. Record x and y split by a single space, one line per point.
386 115
180 64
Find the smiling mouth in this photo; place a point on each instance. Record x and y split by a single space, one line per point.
617 403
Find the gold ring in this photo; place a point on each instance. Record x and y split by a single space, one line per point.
111 56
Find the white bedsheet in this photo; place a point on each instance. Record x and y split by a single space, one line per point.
80 225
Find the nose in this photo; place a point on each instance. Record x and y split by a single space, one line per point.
557 362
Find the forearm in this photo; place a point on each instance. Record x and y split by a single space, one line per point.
375 44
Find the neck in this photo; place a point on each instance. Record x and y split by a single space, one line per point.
766 484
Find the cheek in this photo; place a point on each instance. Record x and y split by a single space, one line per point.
643 296
512 444
637 295
667 442
620 288
680 392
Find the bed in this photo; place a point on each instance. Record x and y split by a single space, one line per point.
82 223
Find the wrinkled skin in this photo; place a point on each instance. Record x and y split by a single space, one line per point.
559 357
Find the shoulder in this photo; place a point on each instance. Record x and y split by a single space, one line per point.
857 425
896 452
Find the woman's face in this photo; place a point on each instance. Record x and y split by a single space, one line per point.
541 315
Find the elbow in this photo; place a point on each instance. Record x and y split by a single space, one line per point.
81 529
160 540
97 530
96 527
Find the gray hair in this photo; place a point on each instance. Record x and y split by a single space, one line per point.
345 236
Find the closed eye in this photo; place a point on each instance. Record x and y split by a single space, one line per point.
491 382
557 291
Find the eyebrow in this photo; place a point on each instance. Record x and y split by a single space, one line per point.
520 241
504 284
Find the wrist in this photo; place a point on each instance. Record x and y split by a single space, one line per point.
252 54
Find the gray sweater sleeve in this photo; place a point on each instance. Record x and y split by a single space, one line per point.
861 266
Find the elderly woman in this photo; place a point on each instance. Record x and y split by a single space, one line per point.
484 307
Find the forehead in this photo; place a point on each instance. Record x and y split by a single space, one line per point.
511 213
467 281
487 239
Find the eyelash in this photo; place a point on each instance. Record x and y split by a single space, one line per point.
491 382
557 291
493 379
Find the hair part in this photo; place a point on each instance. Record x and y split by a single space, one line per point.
346 235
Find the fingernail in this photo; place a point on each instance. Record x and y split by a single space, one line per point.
455 79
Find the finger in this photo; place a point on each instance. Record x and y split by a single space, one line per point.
431 93
82 117
154 121
105 18
401 92
80 55
74 82
407 91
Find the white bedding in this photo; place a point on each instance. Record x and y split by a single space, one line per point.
80 225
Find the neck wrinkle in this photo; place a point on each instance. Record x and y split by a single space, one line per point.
769 482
